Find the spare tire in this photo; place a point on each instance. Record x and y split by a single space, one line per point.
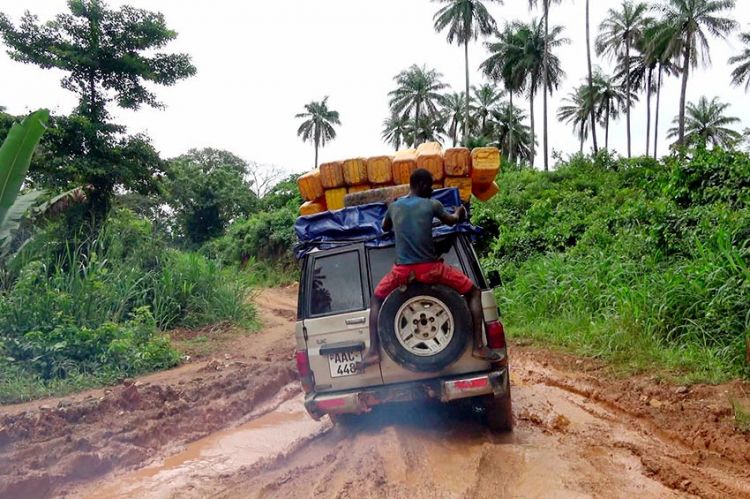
424 328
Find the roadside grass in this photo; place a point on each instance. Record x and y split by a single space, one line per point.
741 410
645 264
83 312
262 273
18 386
625 352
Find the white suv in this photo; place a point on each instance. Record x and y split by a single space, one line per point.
425 335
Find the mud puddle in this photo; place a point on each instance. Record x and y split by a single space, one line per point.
220 454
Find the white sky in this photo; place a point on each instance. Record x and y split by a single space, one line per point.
260 62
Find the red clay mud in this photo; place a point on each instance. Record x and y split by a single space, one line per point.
235 428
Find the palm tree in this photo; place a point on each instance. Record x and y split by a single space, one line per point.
526 56
591 92
318 125
706 124
741 73
660 52
429 130
512 132
395 129
617 34
693 21
465 20
576 112
546 77
453 112
501 66
486 98
651 56
418 89
610 99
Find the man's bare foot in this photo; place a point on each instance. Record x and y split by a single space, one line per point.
486 353
370 359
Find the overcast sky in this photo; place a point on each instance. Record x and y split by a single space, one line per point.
260 62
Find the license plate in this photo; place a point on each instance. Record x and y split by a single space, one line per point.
344 363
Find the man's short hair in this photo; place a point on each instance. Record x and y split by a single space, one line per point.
420 177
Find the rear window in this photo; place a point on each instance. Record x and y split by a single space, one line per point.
382 259
336 284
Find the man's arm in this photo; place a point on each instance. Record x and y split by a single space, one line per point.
453 219
387 222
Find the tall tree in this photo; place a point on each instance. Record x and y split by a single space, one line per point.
429 129
501 66
610 99
577 113
546 77
453 110
693 21
208 189
707 124
318 125
741 73
395 130
620 31
465 21
524 60
591 93
659 52
486 98
417 91
108 55
512 132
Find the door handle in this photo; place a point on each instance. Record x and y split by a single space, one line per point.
355 321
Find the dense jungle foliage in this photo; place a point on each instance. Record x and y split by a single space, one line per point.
643 262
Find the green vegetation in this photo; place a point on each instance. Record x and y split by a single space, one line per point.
207 190
707 123
105 246
107 55
126 245
15 158
642 262
741 410
465 20
79 306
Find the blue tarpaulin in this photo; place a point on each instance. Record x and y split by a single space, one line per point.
363 224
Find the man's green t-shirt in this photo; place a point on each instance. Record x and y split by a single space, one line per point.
412 223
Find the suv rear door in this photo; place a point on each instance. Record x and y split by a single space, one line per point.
456 254
336 318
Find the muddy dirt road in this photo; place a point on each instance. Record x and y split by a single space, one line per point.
233 426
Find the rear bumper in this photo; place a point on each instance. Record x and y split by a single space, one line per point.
445 389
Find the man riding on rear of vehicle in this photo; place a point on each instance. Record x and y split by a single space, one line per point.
411 218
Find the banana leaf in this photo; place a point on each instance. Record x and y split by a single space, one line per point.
15 215
15 158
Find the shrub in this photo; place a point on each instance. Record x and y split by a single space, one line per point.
92 306
191 290
264 236
644 262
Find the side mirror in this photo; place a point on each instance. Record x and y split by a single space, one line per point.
493 279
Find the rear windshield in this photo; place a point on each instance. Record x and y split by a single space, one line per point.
381 261
336 284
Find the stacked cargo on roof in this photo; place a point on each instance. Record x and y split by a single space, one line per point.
472 172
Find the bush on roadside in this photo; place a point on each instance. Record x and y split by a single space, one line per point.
93 306
644 262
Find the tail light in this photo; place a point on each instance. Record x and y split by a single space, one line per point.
303 367
495 334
